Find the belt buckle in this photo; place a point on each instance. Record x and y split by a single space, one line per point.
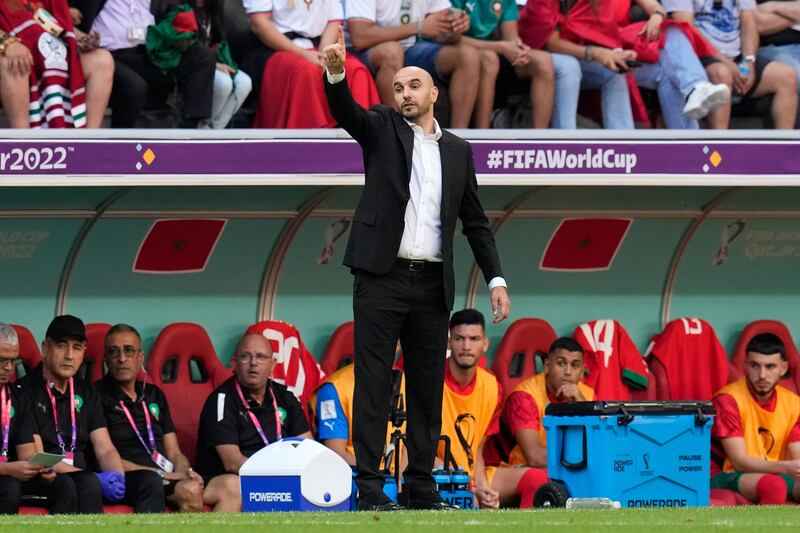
416 265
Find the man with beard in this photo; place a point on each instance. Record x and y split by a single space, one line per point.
756 433
418 181
244 414
470 415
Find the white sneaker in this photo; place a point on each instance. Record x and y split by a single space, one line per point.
705 98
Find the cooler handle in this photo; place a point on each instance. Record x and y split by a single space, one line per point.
580 464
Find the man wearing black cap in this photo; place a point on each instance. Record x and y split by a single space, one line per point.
69 419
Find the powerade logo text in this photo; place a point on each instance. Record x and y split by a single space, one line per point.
560 159
657 503
26 159
621 464
269 497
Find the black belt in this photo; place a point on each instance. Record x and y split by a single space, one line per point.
417 265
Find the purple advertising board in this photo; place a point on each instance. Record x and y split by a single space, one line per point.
337 157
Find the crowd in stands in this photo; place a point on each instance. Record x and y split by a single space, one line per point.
258 63
116 440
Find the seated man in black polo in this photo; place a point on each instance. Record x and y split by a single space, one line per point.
16 428
69 420
243 415
139 422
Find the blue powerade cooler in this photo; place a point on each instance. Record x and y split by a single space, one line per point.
642 454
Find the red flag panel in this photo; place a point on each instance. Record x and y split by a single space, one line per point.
585 244
178 246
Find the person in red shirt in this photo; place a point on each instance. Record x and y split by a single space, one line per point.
522 439
756 434
471 406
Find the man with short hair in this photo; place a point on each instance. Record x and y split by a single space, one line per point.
242 416
140 424
756 433
470 415
69 420
389 34
419 181
16 428
522 439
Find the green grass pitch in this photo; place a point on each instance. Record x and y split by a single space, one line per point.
745 519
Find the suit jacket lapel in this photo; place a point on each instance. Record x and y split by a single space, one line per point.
406 139
447 175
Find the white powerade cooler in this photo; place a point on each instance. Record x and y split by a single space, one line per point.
295 474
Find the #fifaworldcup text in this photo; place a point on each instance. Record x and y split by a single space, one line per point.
558 159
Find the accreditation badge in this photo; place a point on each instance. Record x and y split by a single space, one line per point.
162 462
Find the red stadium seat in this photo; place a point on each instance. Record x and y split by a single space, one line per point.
340 349
28 350
32 510
516 356
184 364
295 367
687 361
93 367
792 380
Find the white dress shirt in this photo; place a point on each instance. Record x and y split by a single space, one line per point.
422 236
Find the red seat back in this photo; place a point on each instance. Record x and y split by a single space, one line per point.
185 365
295 367
340 349
687 361
792 379
93 367
29 353
515 357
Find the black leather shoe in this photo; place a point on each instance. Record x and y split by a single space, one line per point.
430 502
378 501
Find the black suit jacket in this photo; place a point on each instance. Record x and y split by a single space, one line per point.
387 142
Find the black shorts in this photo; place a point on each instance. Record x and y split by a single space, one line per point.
508 83
760 65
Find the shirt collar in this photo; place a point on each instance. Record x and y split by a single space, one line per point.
437 131
118 392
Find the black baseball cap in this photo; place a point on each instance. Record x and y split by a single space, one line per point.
66 327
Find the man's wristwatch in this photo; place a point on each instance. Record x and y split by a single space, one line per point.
587 53
6 41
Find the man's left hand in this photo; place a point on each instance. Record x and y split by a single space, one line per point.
501 305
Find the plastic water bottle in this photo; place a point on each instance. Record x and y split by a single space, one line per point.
744 68
592 503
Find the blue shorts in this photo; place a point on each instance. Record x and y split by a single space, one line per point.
362 56
423 55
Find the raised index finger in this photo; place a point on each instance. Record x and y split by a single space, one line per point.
340 38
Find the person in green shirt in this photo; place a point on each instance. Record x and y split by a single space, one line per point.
506 61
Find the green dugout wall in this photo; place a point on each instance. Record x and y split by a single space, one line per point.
723 249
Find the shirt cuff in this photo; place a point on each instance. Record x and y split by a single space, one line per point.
496 281
334 78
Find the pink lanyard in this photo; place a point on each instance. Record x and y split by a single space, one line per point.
61 443
5 419
253 418
150 437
